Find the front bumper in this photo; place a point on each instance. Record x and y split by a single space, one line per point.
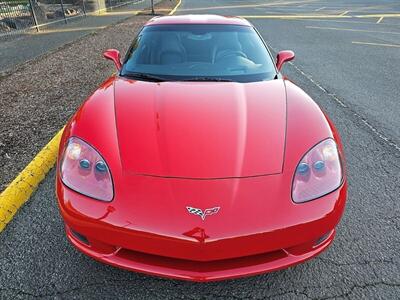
182 246
202 271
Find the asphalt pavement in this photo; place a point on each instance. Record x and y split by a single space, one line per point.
347 67
20 48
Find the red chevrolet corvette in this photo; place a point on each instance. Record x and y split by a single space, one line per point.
198 160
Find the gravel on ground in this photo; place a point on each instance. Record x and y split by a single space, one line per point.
40 96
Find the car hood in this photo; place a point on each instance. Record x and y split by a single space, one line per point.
201 129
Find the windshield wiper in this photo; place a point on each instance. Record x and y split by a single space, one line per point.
145 76
150 77
207 79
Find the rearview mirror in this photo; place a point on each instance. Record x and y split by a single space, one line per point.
113 55
282 57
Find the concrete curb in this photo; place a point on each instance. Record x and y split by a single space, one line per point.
22 187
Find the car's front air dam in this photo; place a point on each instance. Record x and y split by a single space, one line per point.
206 271
241 228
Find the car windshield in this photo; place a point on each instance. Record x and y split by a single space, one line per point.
198 53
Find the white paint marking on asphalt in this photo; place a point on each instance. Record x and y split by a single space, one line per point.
344 105
380 20
376 44
380 135
321 8
344 13
309 77
350 29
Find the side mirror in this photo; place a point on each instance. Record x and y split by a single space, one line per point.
282 57
113 55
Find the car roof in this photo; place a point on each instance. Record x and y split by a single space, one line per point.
198 19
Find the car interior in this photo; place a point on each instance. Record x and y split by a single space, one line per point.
230 51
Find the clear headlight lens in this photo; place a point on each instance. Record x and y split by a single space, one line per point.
85 171
318 173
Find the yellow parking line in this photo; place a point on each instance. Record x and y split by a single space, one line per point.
120 13
175 8
376 44
46 31
338 21
316 16
22 187
379 16
380 20
294 17
350 29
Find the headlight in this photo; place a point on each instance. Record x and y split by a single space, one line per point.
85 171
318 173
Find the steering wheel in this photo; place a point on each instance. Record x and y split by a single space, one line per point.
227 53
